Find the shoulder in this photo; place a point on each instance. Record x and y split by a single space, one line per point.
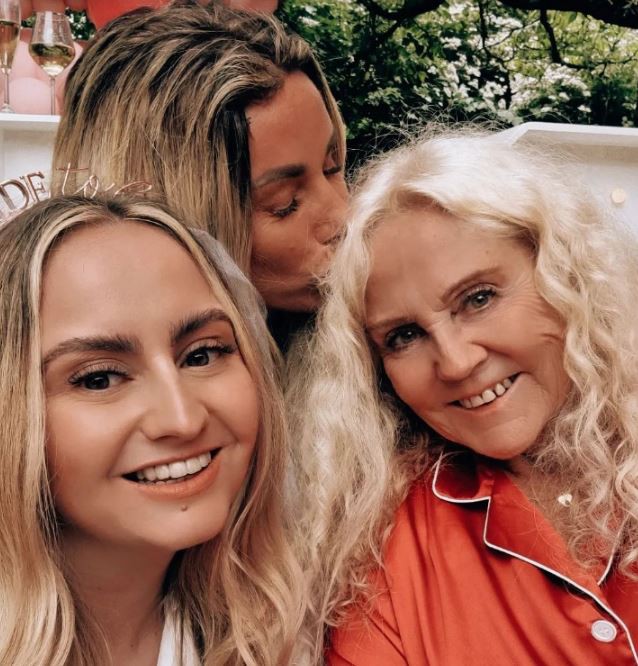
411 519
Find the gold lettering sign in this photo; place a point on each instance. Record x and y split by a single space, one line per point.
18 194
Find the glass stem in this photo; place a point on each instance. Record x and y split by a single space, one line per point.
7 103
52 82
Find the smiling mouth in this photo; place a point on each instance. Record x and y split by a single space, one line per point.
489 395
175 472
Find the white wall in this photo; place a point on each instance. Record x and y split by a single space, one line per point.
26 146
606 156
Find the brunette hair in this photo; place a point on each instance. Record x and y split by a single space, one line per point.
239 595
359 448
161 96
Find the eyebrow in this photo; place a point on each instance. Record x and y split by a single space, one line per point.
116 344
193 323
465 281
119 344
280 173
290 171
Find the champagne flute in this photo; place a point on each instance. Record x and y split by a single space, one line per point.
9 33
52 46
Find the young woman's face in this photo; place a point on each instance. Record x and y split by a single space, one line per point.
299 194
465 338
152 415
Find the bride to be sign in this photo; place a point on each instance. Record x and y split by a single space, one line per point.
18 194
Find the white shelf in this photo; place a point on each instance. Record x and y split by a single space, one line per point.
29 123
575 135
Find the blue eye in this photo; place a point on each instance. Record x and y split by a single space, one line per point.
479 299
403 336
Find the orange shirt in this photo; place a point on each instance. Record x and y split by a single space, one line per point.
475 575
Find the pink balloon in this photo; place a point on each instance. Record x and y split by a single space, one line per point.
253 5
48 5
101 13
29 6
29 95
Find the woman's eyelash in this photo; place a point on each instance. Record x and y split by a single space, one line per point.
330 171
474 296
81 377
210 348
403 336
287 210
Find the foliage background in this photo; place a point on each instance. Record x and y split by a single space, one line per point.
392 67
397 64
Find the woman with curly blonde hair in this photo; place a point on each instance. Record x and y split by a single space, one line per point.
143 447
471 399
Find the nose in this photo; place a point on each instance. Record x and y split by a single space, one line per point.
333 207
172 410
457 355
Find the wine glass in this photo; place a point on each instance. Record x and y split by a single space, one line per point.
52 46
9 33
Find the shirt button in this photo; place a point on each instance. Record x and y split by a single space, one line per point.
603 631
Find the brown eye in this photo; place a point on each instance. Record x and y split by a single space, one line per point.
97 380
206 354
198 358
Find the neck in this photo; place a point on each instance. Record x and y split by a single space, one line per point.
122 589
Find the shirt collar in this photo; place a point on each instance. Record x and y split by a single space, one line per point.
513 525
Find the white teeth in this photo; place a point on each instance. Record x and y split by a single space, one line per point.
489 395
476 400
175 470
193 465
163 472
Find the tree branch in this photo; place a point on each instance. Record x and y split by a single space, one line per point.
553 44
409 9
618 12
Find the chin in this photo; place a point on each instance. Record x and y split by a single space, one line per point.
306 302
188 530
497 451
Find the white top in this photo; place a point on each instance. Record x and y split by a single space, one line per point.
168 654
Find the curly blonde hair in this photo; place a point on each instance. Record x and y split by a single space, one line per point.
358 448
239 595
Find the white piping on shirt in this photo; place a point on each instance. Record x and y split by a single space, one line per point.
488 499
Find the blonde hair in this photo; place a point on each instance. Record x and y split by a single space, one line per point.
161 96
359 449
239 594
